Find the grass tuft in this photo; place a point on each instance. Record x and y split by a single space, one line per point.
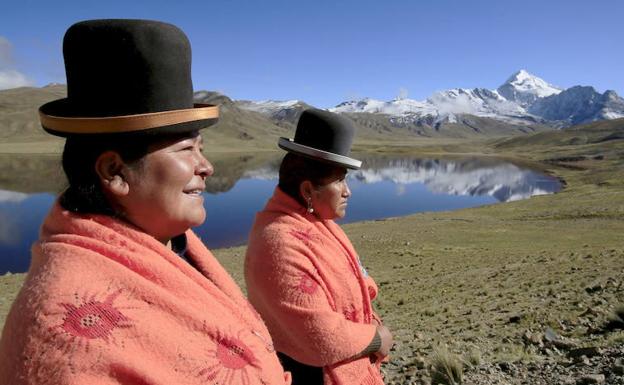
615 321
473 358
618 313
447 368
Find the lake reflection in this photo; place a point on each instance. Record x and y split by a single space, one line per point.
384 187
503 181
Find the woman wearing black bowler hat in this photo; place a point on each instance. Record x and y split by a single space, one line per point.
120 290
303 275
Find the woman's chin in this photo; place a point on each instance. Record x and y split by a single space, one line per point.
195 213
199 220
188 223
341 214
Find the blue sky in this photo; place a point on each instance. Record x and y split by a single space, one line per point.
325 52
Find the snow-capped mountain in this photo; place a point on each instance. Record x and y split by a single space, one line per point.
268 107
444 106
394 107
477 101
524 88
281 112
523 99
578 105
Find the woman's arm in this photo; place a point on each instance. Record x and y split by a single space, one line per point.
291 299
380 345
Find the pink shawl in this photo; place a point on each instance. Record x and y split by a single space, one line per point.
104 303
305 279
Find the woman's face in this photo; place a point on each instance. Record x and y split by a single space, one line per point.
330 199
164 197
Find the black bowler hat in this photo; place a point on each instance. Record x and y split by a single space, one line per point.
126 76
325 136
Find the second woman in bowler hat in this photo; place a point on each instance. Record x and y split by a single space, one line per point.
120 290
303 275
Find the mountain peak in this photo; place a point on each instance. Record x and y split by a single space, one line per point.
611 95
523 81
520 76
280 110
360 105
271 105
524 88
210 97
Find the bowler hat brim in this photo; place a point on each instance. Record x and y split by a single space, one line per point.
57 119
341 160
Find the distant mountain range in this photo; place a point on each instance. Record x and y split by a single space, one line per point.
524 104
523 100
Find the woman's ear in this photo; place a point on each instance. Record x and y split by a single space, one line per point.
109 166
305 189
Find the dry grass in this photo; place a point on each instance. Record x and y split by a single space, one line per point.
446 367
473 358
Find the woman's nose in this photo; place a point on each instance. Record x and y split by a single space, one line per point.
204 167
346 192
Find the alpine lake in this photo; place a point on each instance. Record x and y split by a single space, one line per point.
385 186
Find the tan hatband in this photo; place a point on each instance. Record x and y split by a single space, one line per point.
128 123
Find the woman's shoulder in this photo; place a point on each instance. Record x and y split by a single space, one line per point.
280 235
281 221
276 224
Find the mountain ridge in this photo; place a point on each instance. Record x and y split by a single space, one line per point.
533 106
523 99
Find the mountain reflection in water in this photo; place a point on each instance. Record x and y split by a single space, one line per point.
503 181
384 187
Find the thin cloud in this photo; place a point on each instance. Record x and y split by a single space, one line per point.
9 76
6 57
403 93
14 79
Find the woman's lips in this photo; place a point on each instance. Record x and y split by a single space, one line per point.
194 191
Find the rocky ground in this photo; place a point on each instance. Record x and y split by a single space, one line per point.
584 345
579 366
549 358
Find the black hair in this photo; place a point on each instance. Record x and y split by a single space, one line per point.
84 194
296 169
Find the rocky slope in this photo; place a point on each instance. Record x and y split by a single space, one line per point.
237 128
578 105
